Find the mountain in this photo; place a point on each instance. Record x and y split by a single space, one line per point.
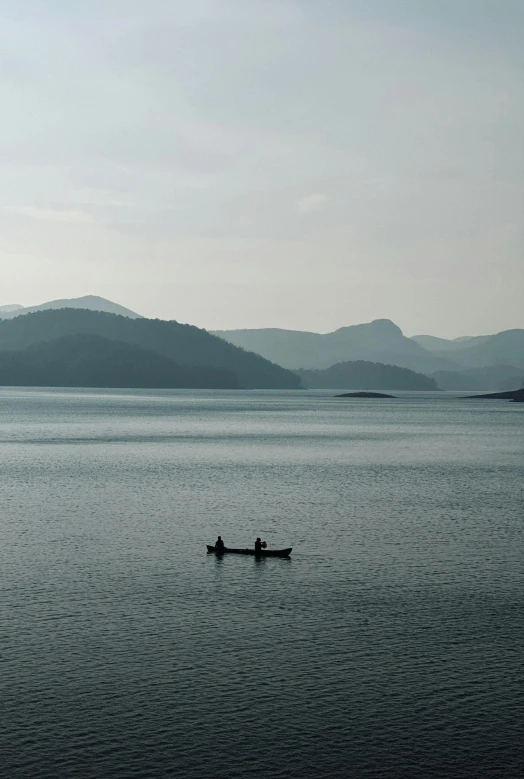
183 344
491 377
91 361
378 341
366 376
10 309
446 345
91 302
505 348
435 344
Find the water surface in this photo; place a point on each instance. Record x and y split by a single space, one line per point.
390 645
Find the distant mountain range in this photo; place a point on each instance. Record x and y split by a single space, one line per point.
487 362
449 362
492 377
185 345
366 375
379 341
10 309
505 348
91 302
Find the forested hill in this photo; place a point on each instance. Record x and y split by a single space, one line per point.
379 341
184 344
364 375
92 361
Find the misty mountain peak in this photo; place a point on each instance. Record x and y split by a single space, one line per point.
11 307
91 302
378 327
386 326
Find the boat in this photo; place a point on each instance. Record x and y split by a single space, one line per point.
262 553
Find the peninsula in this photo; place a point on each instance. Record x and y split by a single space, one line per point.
517 396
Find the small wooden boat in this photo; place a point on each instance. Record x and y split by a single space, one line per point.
262 553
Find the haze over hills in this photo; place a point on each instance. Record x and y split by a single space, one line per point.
491 377
378 341
449 362
10 309
505 348
470 362
184 344
90 302
87 360
363 375
445 345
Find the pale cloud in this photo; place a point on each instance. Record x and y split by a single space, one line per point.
309 203
144 146
68 216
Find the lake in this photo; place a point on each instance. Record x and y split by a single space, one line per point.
389 645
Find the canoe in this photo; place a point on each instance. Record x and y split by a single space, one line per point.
263 553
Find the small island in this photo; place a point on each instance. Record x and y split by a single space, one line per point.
364 395
517 396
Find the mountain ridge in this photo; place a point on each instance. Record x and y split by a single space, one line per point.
11 308
184 344
363 375
503 348
491 377
88 302
379 341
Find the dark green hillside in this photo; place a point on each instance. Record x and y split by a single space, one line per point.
92 361
360 374
185 344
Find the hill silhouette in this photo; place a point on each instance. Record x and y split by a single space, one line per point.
184 344
378 341
92 361
366 376
491 377
91 302
504 348
10 310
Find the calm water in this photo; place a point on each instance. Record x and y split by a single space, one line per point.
390 645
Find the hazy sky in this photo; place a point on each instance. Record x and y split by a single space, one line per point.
248 163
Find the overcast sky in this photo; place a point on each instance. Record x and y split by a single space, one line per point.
250 163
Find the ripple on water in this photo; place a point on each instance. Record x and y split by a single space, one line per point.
388 646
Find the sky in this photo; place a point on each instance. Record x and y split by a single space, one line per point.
305 164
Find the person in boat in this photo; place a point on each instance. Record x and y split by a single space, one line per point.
258 546
219 544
